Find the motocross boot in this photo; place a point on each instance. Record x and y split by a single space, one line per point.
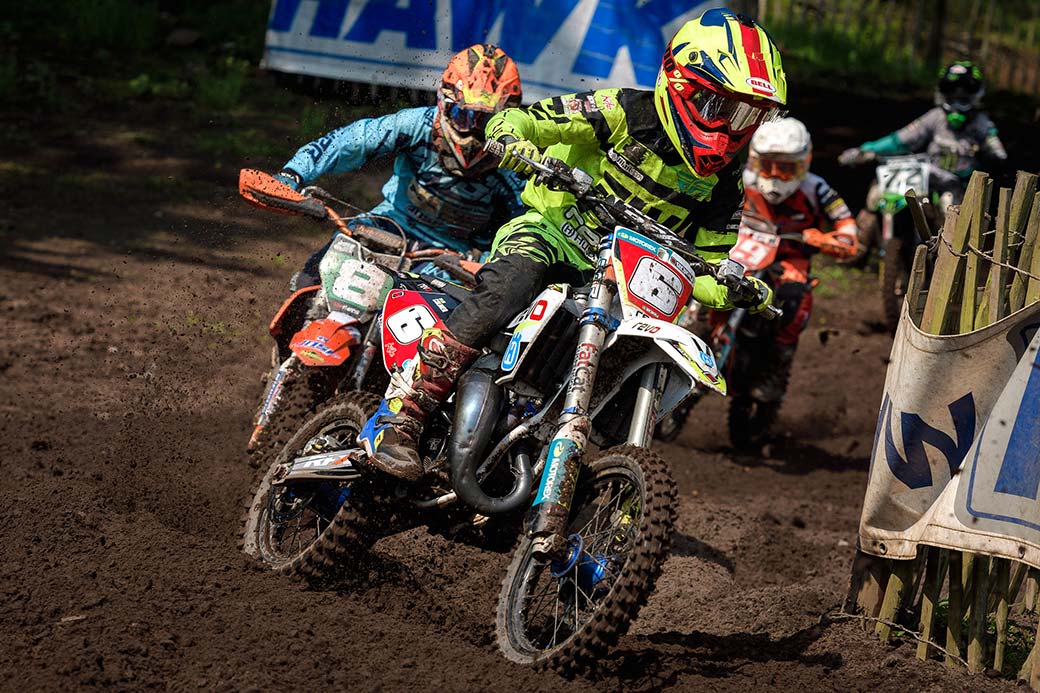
773 385
391 435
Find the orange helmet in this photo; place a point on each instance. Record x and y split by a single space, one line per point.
479 82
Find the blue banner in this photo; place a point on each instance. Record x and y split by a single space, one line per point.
560 46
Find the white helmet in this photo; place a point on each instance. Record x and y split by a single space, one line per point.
779 160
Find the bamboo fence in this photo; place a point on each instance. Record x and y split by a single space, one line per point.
970 609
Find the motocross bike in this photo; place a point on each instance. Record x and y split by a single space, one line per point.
749 419
897 237
594 364
326 335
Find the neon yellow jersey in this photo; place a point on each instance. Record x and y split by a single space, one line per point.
615 136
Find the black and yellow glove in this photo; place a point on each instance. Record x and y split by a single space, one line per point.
763 301
514 149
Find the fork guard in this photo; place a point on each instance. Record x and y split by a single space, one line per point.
687 350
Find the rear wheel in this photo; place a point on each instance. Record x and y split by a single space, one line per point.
895 278
308 528
566 613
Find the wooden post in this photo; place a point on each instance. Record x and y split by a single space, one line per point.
969 298
1021 203
1033 288
895 594
956 609
1030 671
933 580
1032 587
977 623
916 285
1026 257
1001 583
998 273
867 586
949 265
1018 576
924 232
940 290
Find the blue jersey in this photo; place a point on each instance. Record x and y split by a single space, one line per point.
429 203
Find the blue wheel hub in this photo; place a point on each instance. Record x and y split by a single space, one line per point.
591 568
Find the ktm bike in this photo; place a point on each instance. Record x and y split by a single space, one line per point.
326 335
557 416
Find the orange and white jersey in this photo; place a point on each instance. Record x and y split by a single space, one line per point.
814 205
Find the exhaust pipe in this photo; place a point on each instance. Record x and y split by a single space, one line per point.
479 403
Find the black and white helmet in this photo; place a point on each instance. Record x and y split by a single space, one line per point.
959 91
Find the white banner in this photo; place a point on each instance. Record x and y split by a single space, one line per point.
560 46
956 458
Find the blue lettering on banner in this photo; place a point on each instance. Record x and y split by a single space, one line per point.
633 23
415 20
1020 473
527 27
327 19
915 471
530 31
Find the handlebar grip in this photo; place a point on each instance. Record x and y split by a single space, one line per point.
307 206
379 237
495 148
772 312
452 265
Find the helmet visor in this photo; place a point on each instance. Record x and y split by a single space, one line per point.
775 168
715 110
466 119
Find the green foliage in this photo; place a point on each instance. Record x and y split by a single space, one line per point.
112 24
239 143
865 57
8 76
835 279
237 25
314 121
1017 648
222 89
146 85
878 45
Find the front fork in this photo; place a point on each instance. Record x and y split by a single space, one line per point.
273 394
551 506
644 415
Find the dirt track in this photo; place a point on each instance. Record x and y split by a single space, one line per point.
134 343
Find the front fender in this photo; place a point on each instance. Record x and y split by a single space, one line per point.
690 352
326 342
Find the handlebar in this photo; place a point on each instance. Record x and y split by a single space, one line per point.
558 175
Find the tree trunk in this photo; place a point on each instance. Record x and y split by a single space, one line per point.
933 52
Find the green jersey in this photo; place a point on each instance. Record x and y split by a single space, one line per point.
615 136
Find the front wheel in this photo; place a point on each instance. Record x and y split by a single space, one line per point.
308 528
895 279
565 613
